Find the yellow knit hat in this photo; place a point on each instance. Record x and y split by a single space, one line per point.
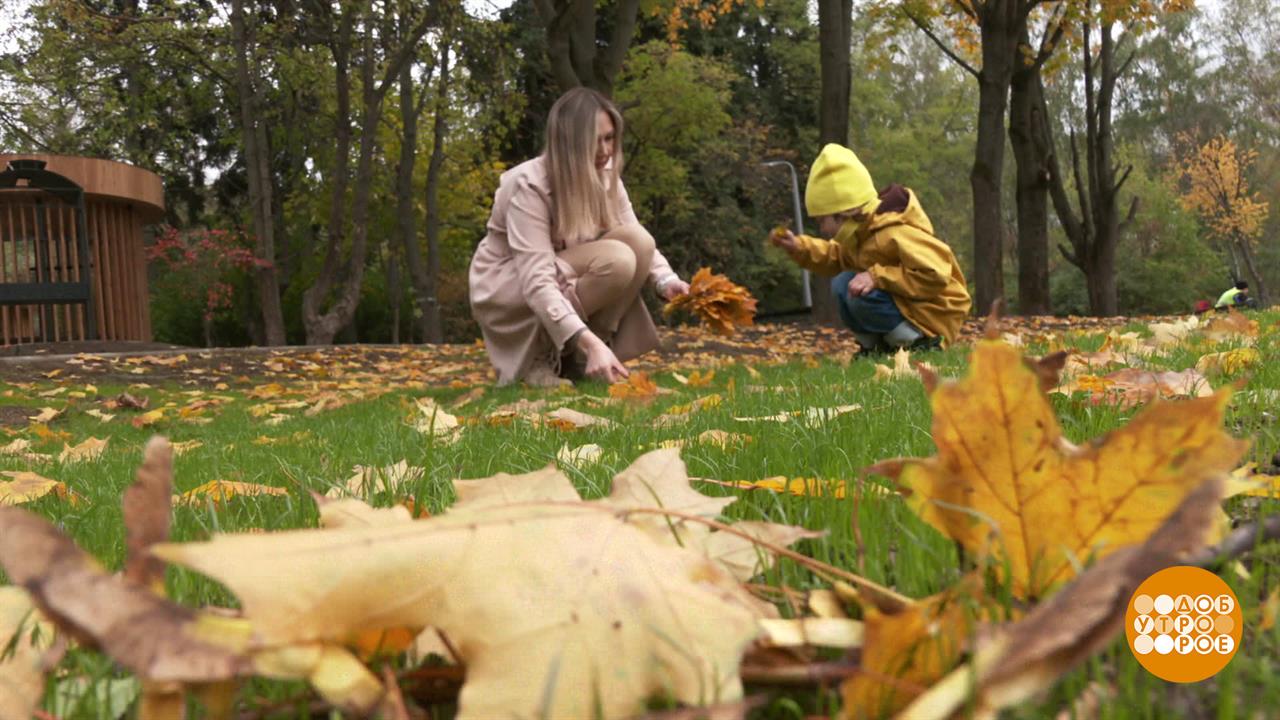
838 181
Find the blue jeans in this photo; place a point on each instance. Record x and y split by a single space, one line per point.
872 314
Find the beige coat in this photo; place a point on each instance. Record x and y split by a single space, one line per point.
525 297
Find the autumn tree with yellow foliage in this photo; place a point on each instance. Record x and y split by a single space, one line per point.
1214 186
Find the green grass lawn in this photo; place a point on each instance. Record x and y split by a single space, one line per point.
317 453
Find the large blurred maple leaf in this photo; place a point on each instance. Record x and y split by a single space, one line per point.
558 607
717 301
1006 483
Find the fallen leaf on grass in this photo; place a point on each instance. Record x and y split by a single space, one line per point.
644 618
807 632
901 367
810 415
25 636
1130 387
579 457
1246 480
366 481
434 422
43 432
570 419
150 417
46 416
1229 362
103 610
125 401
21 448
637 387
906 648
89 449
147 515
1005 482
95 412
1232 326
220 491
1026 657
794 486
724 440
180 448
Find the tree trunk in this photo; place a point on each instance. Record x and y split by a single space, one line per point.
432 327
988 159
260 180
1095 232
576 55
1027 138
1256 285
835 34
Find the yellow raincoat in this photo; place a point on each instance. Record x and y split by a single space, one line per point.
897 246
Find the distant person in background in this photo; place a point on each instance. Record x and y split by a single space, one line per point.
1237 297
555 285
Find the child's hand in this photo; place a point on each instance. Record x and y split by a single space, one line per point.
862 284
783 238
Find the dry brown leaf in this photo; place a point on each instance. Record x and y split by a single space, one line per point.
1234 326
24 486
570 419
46 416
90 449
220 491
1130 387
637 387
147 515
103 610
810 415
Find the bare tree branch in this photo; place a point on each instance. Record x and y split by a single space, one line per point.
924 27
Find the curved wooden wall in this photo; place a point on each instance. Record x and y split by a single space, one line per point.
120 200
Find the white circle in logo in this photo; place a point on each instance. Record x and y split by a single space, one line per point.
1164 604
1164 643
1143 644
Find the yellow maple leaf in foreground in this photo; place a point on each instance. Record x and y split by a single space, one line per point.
1006 483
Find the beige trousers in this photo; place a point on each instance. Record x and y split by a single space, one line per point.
611 271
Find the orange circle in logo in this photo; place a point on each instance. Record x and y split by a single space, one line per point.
1183 624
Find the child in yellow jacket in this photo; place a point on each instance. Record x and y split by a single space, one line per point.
896 284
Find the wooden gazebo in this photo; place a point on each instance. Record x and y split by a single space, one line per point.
72 265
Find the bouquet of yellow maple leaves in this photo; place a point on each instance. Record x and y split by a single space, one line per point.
717 301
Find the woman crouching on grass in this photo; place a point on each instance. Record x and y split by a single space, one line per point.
555 285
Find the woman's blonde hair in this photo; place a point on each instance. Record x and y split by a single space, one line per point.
585 200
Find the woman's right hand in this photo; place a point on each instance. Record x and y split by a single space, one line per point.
602 364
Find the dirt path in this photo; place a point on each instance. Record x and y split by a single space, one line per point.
436 365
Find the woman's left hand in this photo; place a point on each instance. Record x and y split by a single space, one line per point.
674 289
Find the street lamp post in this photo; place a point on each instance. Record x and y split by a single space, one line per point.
807 294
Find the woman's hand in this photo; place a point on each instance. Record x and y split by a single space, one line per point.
674 289
861 284
602 364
